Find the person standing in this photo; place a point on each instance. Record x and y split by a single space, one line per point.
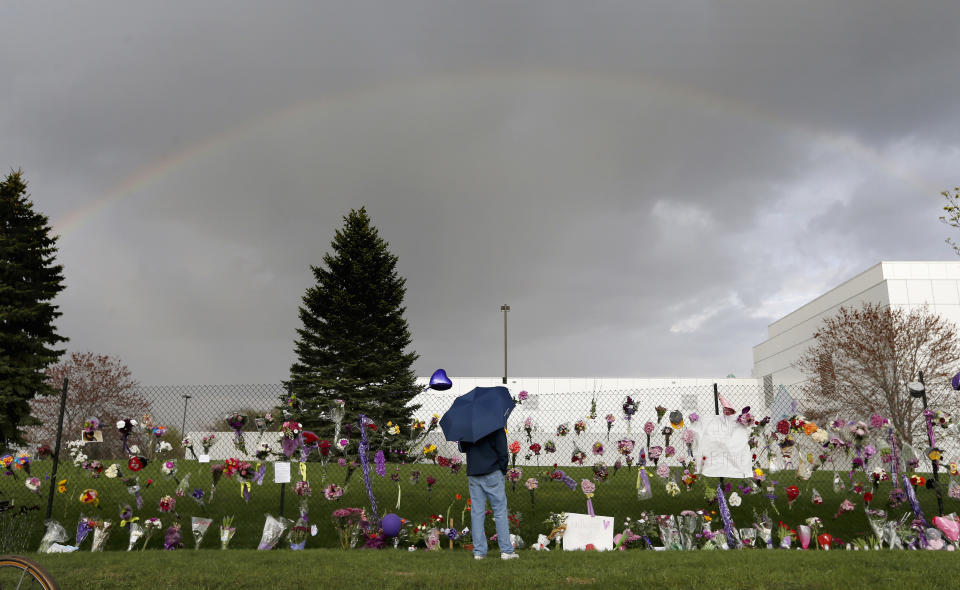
486 466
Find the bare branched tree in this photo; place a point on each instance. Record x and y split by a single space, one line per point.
863 358
99 386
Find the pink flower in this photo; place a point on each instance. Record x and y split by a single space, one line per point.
588 487
663 471
523 395
649 427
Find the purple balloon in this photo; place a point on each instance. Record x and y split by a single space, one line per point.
440 381
956 382
391 524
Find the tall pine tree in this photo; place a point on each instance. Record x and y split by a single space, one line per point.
29 280
352 345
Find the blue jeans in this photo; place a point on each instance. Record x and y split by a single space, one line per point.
483 488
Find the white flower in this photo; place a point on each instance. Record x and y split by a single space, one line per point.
164 446
121 423
134 450
112 471
672 488
820 436
735 499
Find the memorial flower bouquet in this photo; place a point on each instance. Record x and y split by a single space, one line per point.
236 421
206 441
150 526
610 420
227 531
629 409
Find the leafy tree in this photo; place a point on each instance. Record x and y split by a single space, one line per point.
952 216
353 338
101 387
863 358
29 280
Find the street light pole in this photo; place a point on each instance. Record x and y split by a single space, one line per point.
183 424
504 308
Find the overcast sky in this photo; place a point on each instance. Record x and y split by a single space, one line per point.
647 184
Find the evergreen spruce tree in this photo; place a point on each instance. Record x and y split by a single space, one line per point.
354 336
29 280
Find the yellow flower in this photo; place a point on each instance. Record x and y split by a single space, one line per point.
953 469
935 455
758 472
62 486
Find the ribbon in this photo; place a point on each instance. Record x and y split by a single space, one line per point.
127 521
364 462
303 471
590 507
245 491
915 504
642 475
727 520
124 435
261 471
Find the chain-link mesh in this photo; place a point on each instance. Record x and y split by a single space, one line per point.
594 423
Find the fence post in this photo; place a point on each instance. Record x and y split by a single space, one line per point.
56 450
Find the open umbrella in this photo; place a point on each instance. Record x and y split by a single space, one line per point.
477 413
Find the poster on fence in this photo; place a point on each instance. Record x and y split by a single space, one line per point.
281 472
583 530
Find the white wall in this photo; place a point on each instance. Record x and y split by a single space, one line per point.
902 284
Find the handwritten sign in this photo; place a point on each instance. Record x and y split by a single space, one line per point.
583 530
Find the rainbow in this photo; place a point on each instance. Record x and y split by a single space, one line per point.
597 82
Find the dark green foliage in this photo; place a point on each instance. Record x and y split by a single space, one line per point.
29 280
354 336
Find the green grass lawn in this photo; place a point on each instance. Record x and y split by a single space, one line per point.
616 497
332 568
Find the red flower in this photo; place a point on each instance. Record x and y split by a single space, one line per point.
793 492
515 447
325 448
868 497
783 427
136 463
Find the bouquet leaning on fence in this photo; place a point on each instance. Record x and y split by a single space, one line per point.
227 530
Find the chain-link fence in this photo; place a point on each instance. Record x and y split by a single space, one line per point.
588 432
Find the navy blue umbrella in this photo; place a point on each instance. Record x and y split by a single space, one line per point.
477 413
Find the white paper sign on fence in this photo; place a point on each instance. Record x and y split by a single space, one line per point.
583 529
281 472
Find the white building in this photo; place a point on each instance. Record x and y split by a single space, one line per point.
906 285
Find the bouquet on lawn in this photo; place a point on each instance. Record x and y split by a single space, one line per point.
669 532
150 526
199 526
54 533
297 536
273 529
101 532
227 530
84 526
172 539
136 531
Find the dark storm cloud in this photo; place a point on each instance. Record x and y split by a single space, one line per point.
646 185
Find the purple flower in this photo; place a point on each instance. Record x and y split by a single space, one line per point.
381 462
693 417
523 395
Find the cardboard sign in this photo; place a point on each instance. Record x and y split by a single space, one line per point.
583 529
281 472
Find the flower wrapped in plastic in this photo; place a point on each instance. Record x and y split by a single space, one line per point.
199 526
227 531
764 527
236 421
297 535
54 533
690 525
644 490
207 441
150 527
273 529
669 532
136 531
84 527
172 539
101 533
